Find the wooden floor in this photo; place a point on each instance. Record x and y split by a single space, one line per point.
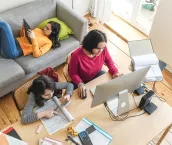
119 51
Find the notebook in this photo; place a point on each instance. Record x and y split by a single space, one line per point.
9 140
98 137
26 28
12 132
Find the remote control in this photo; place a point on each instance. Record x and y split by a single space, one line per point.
84 138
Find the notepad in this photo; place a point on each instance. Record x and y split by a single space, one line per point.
98 137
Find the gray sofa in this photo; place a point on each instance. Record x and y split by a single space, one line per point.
13 73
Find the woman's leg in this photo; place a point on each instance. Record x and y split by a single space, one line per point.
8 47
100 73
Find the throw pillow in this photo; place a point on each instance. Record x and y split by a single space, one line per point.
64 29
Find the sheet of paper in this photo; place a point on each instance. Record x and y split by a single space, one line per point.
58 121
96 137
145 60
154 73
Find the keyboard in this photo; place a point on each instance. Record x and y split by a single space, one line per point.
92 90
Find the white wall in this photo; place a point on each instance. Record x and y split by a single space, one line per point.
8 4
161 32
80 6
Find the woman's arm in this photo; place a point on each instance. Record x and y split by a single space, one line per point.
65 85
73 70
38 51
28 116
109 62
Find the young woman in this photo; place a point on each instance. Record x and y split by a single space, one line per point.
87 61
42 40
41 90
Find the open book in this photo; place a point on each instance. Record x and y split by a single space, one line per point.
154 73
57 122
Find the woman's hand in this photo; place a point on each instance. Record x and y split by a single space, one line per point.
46 114
117 75
31 34
82 90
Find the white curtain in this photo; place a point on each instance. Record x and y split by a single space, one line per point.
101 9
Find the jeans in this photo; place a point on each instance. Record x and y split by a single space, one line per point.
101 72
9 47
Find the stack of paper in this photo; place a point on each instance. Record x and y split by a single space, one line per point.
154 73
58 121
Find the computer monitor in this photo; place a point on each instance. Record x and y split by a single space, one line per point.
111 89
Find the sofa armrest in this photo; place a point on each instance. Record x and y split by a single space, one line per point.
77 23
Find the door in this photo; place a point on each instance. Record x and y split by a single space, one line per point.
139 13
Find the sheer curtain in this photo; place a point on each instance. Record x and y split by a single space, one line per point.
101 9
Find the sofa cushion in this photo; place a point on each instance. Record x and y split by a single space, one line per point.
33 12
54 56
10 72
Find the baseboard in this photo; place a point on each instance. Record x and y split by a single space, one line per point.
169 68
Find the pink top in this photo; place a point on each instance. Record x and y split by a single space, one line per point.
82 68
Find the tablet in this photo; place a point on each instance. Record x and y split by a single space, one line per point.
26 28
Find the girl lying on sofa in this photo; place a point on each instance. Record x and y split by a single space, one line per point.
41 90
41 40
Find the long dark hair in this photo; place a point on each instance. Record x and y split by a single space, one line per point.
92 39
55 27
38 88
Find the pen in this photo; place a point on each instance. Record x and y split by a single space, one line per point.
69 136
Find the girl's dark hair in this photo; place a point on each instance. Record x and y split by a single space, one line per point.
55 27
92 39
38 88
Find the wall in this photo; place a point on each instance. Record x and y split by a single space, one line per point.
161 31
8 4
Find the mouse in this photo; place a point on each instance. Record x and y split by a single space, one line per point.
85 96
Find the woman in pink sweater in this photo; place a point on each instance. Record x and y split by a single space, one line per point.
87 61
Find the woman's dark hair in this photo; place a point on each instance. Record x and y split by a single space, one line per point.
55 27
38 88
92 39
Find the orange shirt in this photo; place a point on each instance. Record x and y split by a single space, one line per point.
40 44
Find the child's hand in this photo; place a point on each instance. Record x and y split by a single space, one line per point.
66 98
31 34
46 114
